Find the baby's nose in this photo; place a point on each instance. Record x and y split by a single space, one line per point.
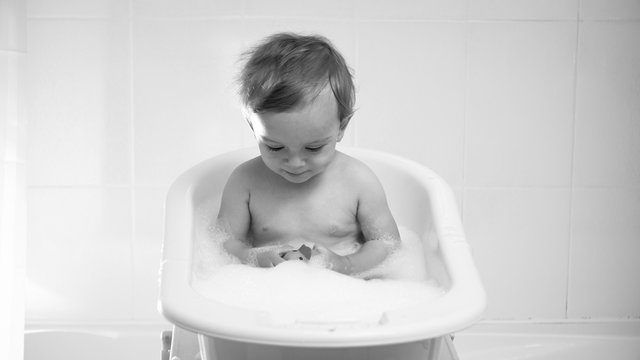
295 161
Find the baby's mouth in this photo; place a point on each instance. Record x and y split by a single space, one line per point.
295 173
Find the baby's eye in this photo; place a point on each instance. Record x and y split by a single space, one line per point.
314 148
274 148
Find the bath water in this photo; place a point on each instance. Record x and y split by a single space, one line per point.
295 291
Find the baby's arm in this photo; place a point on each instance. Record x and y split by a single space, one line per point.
377 224
234 219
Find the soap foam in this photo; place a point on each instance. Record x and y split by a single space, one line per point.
295 291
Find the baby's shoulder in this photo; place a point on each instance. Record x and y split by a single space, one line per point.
247 171
356 170
249 167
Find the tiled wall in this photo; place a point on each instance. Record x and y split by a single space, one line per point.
13 126
529 109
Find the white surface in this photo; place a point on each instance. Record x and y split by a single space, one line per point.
497 216
589 340
95 342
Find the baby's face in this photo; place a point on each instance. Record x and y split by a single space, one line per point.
299 144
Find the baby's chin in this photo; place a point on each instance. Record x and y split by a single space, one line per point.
296 178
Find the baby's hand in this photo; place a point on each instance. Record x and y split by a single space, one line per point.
302 253
270 256
333 261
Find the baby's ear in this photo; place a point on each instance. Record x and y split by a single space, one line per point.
246 114
249 123
343 127
341 133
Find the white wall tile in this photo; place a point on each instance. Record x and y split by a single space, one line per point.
523 9
13 228
13 215
411 9
78 8
79 103
187 8
328 9
4 167
186 107
13 29
79 254
20 216
13 124
604 254
5 118
609 9
18 108
148 238
520 241
411 98
520 104
9 244
607 134
12 257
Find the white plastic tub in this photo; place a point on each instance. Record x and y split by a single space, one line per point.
420 201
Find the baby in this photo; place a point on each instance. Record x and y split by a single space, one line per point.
298 95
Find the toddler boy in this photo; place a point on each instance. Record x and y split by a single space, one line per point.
298 95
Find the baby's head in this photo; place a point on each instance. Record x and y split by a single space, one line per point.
288 71
298 96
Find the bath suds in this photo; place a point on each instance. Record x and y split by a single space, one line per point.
298 291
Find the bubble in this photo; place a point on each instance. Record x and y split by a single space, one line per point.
300 290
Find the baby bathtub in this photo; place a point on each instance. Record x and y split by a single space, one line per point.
419 200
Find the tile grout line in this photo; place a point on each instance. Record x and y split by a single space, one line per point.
132 181
572 163
465 115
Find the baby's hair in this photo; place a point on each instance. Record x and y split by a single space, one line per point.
288 70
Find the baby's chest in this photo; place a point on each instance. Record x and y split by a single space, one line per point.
285 217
